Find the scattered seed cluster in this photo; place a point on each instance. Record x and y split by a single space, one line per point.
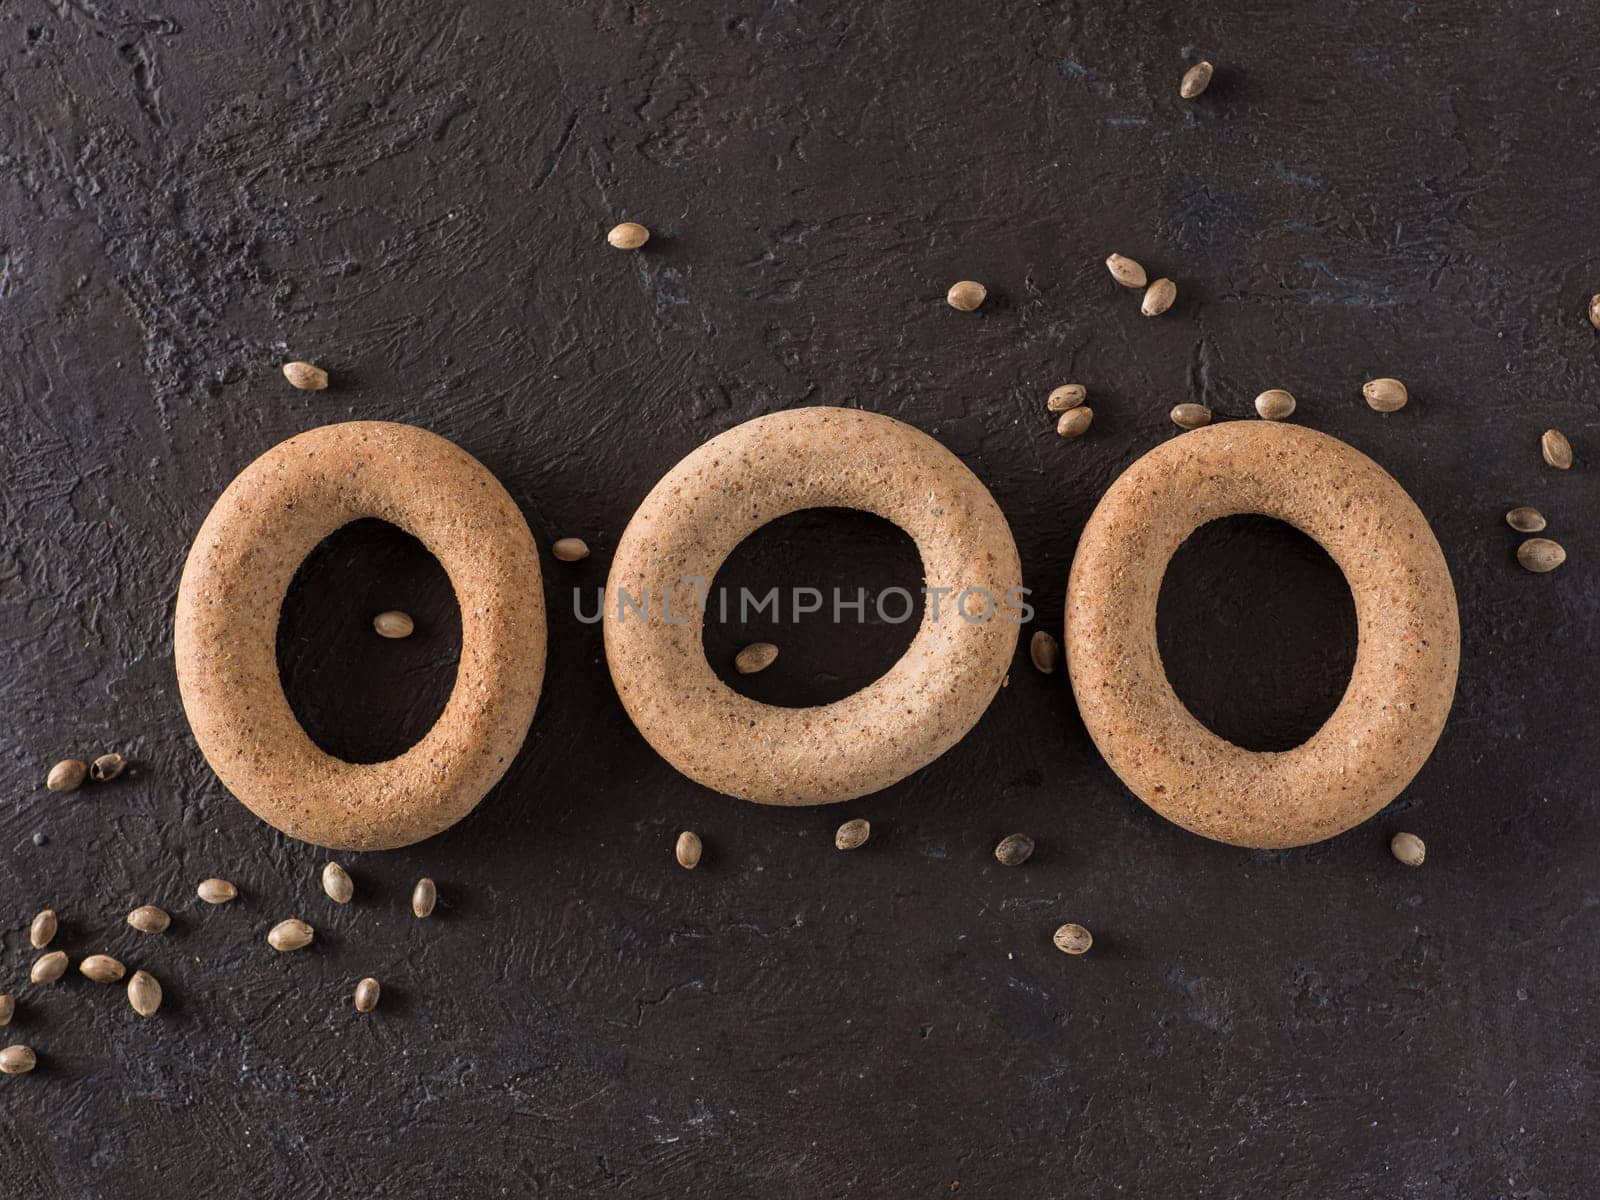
1012 851
1540 555
144 989
69 774
1071 402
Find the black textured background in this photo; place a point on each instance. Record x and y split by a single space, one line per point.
415 195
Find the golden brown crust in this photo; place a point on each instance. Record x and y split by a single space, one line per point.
1405 671
718 496
231 594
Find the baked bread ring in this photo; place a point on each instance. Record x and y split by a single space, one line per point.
232 591
726 490
1409 637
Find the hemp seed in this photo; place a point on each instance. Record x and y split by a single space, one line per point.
966 295
66 776
1073 939
1385 395
1068 395
393 624
852 835
367 992
688 850
423 898
629 235
1525 519
107 767
144 993
1556 449
570 549
17 1060
293 934
1190 416
42 930
308 377
757 656
8 1008
1125 271
1014 849
102 968
1158 297
1408 848
1195 80
147 918
1540 555
336 882
1075 421
1045 651
216 891
1275 404
48 968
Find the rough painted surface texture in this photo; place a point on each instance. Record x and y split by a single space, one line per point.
415 196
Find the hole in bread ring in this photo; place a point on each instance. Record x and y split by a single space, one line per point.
1257 630
724 491
231 595
1408 635
837 551
362 697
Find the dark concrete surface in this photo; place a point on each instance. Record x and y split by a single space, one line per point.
414 195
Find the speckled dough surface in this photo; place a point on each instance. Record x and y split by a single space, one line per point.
1409 641
232 591
723 492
